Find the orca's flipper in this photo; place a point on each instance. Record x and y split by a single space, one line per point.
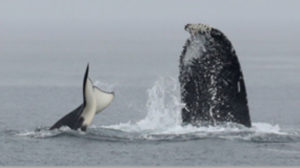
103 99
72 120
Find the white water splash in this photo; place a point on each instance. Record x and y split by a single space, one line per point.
164 116
163 105
163 108
266 128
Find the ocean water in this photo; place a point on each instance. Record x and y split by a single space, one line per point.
141 127
134 51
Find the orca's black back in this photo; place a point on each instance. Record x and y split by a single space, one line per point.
72 120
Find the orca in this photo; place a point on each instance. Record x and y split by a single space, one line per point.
211 81
95 101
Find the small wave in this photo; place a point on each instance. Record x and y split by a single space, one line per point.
44 132
259 133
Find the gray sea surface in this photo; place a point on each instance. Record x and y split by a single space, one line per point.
133 48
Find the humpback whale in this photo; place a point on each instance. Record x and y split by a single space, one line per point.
211 80
95 100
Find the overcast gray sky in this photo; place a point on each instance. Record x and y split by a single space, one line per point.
121 36
109 18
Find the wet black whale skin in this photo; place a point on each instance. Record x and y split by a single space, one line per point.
224 99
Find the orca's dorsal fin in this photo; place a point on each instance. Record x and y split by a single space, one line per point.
85 79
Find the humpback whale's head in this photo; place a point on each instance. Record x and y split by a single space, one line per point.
211 81
209 37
